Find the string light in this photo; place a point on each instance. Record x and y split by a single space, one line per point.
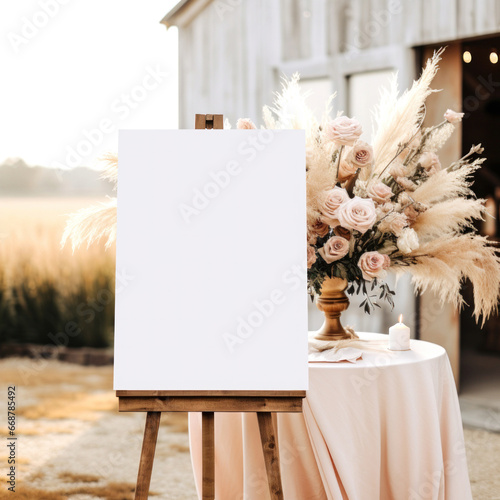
467 57
493 56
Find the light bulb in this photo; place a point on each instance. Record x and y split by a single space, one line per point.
467 56
493 57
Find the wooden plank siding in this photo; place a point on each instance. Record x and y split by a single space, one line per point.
233 52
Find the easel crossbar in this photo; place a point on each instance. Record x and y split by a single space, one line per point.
211 404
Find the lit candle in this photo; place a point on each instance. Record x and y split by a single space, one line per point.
399 336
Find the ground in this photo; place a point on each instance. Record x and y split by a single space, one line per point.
73 444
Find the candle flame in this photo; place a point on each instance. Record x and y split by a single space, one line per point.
400 318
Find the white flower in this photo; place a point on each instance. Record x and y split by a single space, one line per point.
405 183
408 241
397 170
452 116
394 223
430 162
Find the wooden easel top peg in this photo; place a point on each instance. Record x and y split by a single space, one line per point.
209 122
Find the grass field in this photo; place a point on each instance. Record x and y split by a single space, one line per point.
49 295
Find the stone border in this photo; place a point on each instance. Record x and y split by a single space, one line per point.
86 356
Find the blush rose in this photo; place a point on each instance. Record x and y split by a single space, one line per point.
373 265
357 213
334 249
343 130
332 200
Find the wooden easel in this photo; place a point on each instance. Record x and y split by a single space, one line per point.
264 403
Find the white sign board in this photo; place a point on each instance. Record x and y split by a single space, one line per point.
211 261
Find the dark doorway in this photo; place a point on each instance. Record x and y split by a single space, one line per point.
480 349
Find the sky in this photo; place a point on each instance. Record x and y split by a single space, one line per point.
74 72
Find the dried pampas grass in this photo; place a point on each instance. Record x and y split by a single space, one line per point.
445 263
451 216
398 117
92 224
110 168
446 185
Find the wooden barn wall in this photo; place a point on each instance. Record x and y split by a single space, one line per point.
227 60
233 52
354 25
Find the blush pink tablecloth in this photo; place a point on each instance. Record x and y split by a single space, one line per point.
387 427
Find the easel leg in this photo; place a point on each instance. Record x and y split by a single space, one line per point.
271 454
147 455
208 454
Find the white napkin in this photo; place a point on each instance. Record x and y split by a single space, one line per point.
350 354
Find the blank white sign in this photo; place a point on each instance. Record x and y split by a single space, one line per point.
211 261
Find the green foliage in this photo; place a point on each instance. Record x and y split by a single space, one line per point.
45 313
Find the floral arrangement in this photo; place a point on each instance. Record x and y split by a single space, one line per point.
389 206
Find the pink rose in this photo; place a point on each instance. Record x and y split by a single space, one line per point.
452 116
320 228
380 192
334 249
332 200
430 162
346 170
373 265
361 154
343 130
357 213
245 124
311 256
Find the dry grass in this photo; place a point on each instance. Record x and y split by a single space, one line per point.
80 405
41 375
27 493
175 421
37 431
41 285
179 448
19 460
70 477
110 491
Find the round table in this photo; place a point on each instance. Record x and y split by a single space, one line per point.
387 427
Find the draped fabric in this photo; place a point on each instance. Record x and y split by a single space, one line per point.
386 427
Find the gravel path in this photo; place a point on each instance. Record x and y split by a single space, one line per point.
74 445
